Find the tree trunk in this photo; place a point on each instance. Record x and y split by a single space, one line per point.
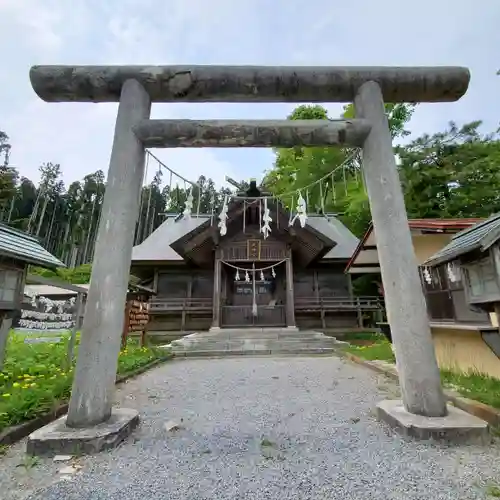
138 230
146 222
65 239
152 228
12 204
40 221
34 212
89 233
47 240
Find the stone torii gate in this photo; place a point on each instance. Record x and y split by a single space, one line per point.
91 423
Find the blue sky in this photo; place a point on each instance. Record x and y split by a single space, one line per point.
272 32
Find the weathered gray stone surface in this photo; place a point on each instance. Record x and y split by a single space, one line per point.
404 298
250 133
57 439
260 428
95 372
249 83
456 427
253 342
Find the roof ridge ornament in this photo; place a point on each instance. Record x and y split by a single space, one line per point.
223 217
266 220
188 206
301 211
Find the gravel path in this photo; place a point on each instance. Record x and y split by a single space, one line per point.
259 428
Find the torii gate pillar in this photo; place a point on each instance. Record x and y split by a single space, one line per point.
91 424
404 299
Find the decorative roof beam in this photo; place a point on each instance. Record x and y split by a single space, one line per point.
249 83
250 133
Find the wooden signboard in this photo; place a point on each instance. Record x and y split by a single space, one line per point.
253 249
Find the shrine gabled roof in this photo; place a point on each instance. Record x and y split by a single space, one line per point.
478 237
330 226
23 247
157 246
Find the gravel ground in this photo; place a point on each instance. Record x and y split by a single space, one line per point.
259 428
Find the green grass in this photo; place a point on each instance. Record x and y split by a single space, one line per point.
348 336
477 386
76 275
493 490
34 381
363 336
380 349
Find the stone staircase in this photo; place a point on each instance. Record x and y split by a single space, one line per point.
253 341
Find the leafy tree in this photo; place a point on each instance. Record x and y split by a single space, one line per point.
398 116
455 173
341 192
4 148
66 220
50 187
8 176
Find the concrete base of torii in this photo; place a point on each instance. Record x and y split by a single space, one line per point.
457 426
57 438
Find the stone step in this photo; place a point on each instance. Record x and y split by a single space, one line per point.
256 348
259 333
254 352
256 337
263 339
249 342
304 338
253 341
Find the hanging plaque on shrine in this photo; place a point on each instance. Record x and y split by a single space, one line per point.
253 249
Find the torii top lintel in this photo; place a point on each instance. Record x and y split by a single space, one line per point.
249 83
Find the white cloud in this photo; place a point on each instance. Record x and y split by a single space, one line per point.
79 135
36 21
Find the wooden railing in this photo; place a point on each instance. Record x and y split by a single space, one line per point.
160 305
363 308
338 303
240 316
267 316
269 251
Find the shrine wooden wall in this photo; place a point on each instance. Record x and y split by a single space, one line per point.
325 281
322 281
183 284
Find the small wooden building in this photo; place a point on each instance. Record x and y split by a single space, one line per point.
469 263
475 255
18 250
445 299
294 277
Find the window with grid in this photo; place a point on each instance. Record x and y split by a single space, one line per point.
445 295
481 278
9 284
437 293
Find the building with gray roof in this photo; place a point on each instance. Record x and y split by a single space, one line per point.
294 277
